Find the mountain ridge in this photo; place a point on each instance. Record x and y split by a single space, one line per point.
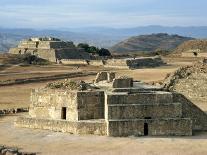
149 43
97 36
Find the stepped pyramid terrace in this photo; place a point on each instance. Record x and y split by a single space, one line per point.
112 106
52 49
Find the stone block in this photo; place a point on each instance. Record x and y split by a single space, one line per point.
149 97
156 127
122 82
141 111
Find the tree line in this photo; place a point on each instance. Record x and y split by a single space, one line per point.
94 50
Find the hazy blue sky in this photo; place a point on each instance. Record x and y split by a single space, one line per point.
104 13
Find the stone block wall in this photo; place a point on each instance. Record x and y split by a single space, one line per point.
134 63
79 105
46 54
122 83
144 62
28 44
72 127
156 127
145 113
49 103
116 63
90 105
140 98
141 111
74 62
96 62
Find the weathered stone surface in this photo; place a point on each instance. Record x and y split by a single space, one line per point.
142 111
122 82
150 97
51 49
97 127
156 127
134 63
80 105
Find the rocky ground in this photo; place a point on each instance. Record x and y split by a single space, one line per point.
190 81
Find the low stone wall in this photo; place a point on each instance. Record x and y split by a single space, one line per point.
122 83
134 63
96 62
116 63
156 127
74 62
96 127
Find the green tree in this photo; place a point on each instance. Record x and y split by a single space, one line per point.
104 52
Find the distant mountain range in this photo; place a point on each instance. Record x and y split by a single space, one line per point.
98 36
149 43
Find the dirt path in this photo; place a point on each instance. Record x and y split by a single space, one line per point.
47 142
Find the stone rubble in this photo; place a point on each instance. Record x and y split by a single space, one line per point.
191 81
4 150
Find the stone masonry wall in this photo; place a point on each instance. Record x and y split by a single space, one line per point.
96 62
77 127
124 111
157 127
74 62
118 63
122 83
90 105
83 105
49 103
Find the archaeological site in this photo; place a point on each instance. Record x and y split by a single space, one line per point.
103 77
49 48
112 106
67 53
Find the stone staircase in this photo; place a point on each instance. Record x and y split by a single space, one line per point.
145 113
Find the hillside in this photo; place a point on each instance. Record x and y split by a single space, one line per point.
149 43
97 36
188 46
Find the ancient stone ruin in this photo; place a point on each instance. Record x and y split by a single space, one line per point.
128 63
49 48
112 106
